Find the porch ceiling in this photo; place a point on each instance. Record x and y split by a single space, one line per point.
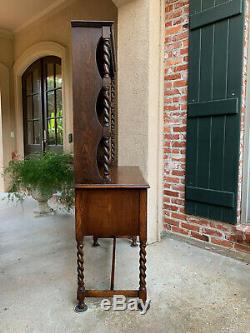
16 14
119 3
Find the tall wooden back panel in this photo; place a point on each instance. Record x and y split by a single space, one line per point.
93 101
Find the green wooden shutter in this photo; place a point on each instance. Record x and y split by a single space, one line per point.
214 103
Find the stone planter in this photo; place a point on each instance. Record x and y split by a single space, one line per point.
43 207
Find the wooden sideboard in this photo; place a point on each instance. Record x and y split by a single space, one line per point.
111 201
116 209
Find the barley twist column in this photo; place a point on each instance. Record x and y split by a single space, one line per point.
106 106
81 306
142 268
113 120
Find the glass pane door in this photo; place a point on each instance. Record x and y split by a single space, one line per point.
42 106
32 105
53 102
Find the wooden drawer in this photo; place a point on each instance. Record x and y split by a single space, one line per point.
108 212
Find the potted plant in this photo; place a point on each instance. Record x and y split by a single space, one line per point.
41 176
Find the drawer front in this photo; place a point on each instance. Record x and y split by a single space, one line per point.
108 212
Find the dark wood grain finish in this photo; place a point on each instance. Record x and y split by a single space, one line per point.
110 201
114 210
93 72
91 24
110 293
121 177
143 243
106 92
109 212
112 279
87 83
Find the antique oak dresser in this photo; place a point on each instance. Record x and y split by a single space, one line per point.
111 200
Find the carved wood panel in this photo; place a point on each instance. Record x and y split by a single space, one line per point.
94 98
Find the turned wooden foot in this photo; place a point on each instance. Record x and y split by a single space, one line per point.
81 306
134 241
95 242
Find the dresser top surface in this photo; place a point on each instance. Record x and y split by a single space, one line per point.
121 177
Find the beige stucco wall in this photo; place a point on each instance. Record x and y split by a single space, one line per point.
6 49
140 28
6 108
55 27
133 49
139 36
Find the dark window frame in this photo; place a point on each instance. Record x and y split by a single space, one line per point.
43 140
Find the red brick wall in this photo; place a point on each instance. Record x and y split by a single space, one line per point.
175 109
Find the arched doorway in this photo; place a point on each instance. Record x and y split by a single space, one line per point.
42 106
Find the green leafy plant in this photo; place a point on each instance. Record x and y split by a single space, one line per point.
47 173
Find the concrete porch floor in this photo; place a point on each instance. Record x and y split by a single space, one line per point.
192 290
